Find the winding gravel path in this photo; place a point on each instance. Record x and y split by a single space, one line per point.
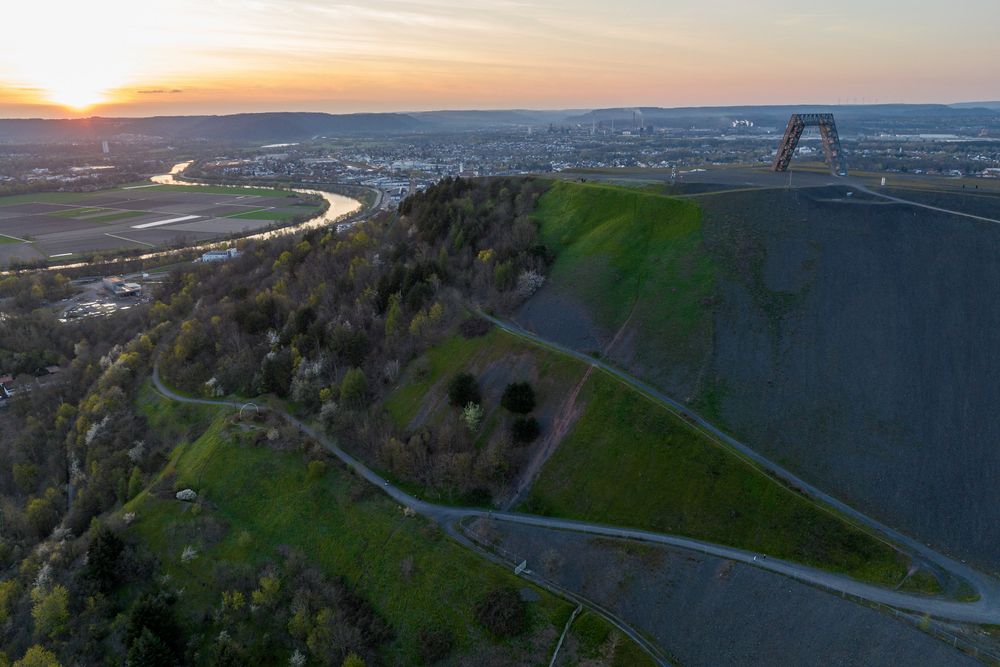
984 610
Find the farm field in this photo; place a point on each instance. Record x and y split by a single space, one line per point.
62 225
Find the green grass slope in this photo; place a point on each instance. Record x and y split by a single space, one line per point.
42 197
264 498
627 460
632 256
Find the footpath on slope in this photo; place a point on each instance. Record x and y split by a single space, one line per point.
986 609
447 518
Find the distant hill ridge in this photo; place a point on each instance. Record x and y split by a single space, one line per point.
293 126
236 127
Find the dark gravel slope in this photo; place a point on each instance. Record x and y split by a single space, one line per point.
856 342
708 611
861 345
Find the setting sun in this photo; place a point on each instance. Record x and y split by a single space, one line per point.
76 94
113 57
86 53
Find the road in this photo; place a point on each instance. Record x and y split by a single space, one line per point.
986 609
899 200
446 517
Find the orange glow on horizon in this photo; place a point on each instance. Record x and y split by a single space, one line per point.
110 57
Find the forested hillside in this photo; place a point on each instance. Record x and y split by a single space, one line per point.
141 530
102 562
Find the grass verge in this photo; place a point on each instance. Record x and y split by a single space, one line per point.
628 460
76 212
226 190
269 214
598 643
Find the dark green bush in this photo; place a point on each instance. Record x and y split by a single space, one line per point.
518 397
462 390
502 612
524 429
434 645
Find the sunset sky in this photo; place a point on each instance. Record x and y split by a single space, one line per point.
123 57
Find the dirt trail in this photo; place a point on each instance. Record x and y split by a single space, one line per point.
561 425
621 330
432 399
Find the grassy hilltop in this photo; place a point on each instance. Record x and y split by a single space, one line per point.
626 257
837 335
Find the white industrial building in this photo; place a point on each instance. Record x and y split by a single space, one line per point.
220 255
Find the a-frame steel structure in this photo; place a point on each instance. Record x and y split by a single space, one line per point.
828 132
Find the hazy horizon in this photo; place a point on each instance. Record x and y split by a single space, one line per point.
221 56
625 106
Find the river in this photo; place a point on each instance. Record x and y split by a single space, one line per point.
340 206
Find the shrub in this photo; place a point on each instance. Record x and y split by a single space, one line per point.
316 469
353 660
135 482
8 596
472 416
524 429
267 593
43 515
502 612
155 613
529 282
26 476
148 650
474 327
434 645
102 559
38 656
462 390
354 386
276 373
50 611
477 497
518 397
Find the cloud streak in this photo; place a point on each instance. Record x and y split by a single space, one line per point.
410 54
